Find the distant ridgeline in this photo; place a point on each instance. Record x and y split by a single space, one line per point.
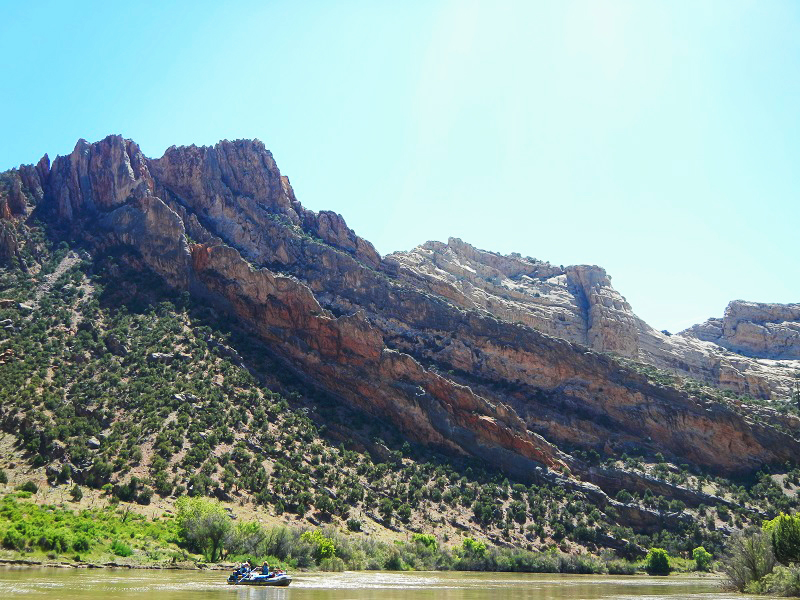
183 325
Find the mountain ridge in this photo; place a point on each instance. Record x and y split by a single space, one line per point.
398 336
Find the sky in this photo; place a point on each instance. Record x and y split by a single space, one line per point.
659 140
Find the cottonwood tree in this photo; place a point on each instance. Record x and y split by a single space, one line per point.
203 523
784 532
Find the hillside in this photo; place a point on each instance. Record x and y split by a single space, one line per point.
184 321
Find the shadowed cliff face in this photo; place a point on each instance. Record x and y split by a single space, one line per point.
392 337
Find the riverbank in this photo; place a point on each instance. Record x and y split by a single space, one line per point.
115 537
187 566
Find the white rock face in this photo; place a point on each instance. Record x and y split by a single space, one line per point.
578 303
754 329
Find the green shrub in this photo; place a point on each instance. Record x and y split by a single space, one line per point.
13 540
121 549
3 476
57 540
323 547
702 559
472 548
28 486
76 493
784 532
783 582
81 543
657 562
620 567
353 524
332 564
425 539
748 559
395 562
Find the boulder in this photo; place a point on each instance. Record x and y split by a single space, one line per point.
161 357
115 345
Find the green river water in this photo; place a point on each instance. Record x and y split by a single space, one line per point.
102 584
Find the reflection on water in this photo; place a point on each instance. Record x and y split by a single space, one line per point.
79 584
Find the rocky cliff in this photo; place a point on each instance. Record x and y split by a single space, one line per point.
754 329
578 303
475 353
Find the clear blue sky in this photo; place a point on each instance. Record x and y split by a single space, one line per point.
660 140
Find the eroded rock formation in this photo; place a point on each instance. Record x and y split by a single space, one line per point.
480 354
579 304
754 329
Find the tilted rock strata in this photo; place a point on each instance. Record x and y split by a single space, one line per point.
754 329
579 304
348 357
224 224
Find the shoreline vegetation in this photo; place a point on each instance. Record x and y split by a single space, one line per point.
766 561
202 535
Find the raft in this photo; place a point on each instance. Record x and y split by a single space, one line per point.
281 580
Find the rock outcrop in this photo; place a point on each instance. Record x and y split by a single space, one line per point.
754 329
578 303
476 353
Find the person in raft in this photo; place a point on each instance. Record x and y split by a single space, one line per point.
242 571
265 568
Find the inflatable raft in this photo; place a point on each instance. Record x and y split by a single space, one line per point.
253 578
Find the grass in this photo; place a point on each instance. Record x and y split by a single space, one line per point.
46 532
38 532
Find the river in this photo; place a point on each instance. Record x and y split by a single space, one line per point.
110 584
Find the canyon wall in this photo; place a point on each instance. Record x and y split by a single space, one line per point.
504 358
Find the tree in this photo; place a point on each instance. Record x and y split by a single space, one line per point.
784 532
76 493
386 507
425 539
657 562
323 546
473 548
702 559
517 512
748 558
203 523
624 496
246 538
404 512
